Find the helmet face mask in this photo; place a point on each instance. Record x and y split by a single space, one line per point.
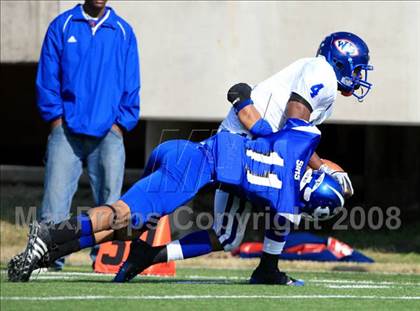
361 85
321 196
349 56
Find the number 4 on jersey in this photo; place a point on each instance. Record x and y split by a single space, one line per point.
315 89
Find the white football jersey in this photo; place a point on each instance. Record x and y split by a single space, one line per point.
311 78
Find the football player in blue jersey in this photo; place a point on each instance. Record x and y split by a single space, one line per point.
265 171
305 89
309 86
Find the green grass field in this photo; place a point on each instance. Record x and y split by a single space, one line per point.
376 286
212 289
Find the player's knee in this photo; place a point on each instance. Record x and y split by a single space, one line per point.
127 234
122 215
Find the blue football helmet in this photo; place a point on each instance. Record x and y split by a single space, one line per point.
321 196
349 56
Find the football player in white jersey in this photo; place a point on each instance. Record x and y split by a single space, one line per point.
306 89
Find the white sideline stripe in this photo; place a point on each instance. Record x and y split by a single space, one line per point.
322 281
377 273
204 277
363 282
52 277
191 297
357 286
326 283
334 281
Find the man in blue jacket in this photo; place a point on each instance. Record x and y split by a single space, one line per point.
87 85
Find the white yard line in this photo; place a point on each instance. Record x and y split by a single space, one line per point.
53 277
357 286
195 279
314 281
196 297
306 271
73 275
363 282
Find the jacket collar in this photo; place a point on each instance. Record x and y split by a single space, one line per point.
111 20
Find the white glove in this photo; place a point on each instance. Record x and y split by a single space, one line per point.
342 178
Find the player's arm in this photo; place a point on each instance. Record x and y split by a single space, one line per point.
239 96
249 116
48 82
129 106
298 107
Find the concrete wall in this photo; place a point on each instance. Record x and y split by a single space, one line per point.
23 26
192 52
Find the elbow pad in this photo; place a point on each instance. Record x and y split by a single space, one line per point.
261 128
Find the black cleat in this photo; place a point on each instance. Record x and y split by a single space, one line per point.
21 266
260 276
14 265
13 268
138 260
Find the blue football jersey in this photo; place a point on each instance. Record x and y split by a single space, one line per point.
268 170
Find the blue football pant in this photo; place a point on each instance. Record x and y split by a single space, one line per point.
175 172
231 215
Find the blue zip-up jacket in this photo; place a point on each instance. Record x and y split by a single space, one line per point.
89 76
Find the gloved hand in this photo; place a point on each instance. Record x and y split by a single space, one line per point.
239 93
342 178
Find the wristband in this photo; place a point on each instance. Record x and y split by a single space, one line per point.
261 128
241 105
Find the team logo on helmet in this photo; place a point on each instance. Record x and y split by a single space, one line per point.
346 47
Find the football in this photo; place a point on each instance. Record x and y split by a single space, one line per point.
332 165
